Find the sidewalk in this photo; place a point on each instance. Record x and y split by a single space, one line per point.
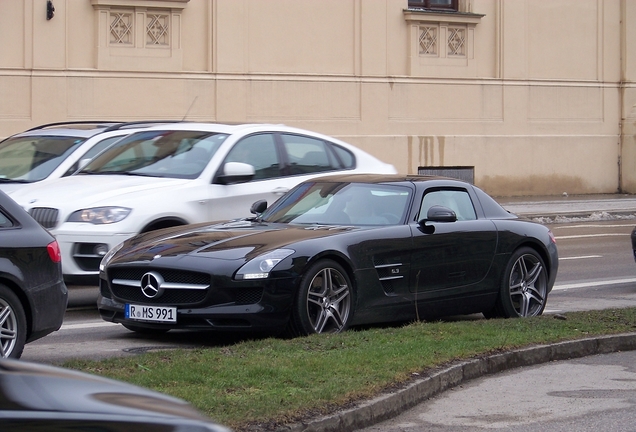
558 208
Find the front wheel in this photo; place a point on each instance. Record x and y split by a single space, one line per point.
524 286
13 326
324 302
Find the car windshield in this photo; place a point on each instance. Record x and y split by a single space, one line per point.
175 154
327 203
29 159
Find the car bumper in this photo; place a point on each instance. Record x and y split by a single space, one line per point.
48 306
269 314
82 253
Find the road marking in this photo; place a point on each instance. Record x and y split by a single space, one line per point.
580 257
92 324
593 284
591 235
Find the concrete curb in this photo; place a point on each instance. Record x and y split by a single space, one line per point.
389 405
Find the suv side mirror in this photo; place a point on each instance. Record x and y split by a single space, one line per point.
236 172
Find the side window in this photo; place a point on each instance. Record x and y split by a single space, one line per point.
5 222
347 160
258 151
307 155
457 200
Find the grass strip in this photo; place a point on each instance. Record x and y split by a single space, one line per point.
277 381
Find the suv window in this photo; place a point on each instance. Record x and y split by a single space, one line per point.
260 152
34 158
308 155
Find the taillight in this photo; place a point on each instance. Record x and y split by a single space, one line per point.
54 251
552 237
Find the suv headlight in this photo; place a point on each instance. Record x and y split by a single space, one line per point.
259 267
100 215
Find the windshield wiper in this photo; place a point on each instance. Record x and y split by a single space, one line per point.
126 173
9 180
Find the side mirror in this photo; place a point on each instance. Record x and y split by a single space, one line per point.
258 207
438 213
236 172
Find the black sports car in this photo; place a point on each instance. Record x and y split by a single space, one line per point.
335 252
35 397
33 295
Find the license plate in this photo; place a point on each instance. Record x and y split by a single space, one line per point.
151 313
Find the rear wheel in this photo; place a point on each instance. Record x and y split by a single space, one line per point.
324 302
524 286
13 326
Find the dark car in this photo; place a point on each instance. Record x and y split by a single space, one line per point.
35 397
634 243
33 295
335 252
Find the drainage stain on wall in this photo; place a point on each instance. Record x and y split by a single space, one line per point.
425 151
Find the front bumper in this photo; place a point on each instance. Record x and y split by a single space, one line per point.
82 253
269 312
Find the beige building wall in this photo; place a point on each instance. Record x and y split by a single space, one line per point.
537 96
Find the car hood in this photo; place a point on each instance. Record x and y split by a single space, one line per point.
10 188
34 387
92 190
234 240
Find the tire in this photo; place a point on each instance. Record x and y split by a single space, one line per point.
524 286
145 330
13 327
324 302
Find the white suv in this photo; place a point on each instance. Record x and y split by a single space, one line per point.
55 150
179 174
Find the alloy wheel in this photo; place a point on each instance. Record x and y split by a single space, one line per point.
328 301
528 286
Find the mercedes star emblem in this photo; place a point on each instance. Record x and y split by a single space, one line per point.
151 284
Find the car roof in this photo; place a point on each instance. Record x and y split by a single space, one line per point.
381 178
233 128
86 129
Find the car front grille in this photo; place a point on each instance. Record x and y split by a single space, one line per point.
129 293
47 217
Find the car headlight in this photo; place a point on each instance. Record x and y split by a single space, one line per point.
259 267
109 255
100 215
